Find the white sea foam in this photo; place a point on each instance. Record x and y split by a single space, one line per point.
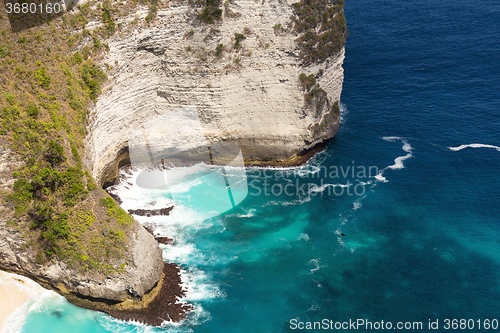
321 188
123 326
406 147
380 177
38 300
343 112
338 232
398 161
398 164
196 289
249 213
198 286
298 202
181 224
317 265
311 167
181 219
474 145
314 307
392 138
303 236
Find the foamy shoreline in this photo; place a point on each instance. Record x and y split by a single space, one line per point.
12 296
16 294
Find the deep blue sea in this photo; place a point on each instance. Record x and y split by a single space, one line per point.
417 239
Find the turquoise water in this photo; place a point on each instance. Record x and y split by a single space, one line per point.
421 235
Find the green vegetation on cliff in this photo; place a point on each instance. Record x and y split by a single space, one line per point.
211 11
49 77
316 97
323 28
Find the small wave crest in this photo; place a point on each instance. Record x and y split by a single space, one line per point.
322 188
392 138
380 177
343 112
398 161
473 145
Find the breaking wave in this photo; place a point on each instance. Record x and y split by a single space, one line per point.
398 161
473 145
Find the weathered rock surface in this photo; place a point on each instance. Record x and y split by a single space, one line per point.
138 279
144 269
249 95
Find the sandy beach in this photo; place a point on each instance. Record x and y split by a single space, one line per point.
11 295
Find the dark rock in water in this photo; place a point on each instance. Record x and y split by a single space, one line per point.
115 197
342 234
123 174
159 239
151 212
165 240
58 314
149 228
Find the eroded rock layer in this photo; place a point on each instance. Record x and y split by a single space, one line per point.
246 92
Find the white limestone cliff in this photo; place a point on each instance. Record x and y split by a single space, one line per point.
249 95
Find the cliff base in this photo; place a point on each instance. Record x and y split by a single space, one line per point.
159 305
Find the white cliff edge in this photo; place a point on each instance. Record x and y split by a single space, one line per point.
249 95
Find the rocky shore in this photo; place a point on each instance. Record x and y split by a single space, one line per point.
245 76
158 306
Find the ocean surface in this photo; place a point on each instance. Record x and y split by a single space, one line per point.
412 235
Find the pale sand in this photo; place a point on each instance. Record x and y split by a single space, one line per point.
11 296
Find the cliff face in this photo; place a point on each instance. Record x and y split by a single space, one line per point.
134 282
56 226
249 94
142 271
246 74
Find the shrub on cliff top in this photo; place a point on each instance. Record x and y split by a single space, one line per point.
108 21
238 38
21 196
32 110
336 108
43 78
323 28
211 11
153 10
55 153
307 81
74 187
116 212
92 77
219 49
4 51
